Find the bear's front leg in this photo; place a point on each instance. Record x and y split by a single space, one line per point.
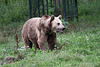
42 42
52 41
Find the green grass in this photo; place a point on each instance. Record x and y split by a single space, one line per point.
81 49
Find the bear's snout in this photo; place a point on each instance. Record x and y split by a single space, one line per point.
63 28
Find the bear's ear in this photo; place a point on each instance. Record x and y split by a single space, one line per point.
52 18
59 16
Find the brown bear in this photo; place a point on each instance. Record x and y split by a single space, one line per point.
38 31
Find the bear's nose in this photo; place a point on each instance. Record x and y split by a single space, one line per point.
63 28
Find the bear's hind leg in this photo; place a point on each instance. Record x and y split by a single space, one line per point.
36 45
30 44
27 42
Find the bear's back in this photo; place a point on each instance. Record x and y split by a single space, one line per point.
31 23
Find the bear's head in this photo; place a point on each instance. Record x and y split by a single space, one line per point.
56 24
52 23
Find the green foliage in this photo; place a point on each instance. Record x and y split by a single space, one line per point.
44 4
90 7
13 11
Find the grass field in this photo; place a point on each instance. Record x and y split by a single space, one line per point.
81 49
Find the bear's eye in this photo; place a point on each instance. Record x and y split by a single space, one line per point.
58 24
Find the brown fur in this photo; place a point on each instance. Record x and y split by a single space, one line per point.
38 31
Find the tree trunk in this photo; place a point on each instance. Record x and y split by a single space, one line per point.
59 7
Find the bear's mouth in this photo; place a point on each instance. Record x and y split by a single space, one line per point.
60 30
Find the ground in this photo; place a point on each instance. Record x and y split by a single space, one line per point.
82 48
